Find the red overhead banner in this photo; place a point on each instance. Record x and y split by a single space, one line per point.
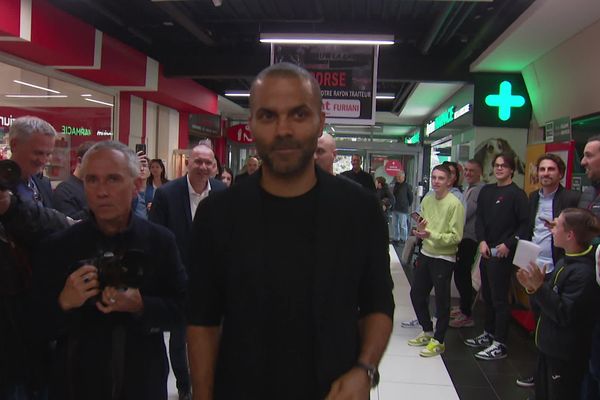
240 134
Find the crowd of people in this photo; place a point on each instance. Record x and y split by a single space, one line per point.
275 282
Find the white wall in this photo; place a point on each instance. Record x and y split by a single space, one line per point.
167 137
136 121
566 80
151 128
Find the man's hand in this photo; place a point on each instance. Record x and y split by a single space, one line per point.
113 299
422 234
422 225
484 250
533 278
80 286
4 201
503 250
353 385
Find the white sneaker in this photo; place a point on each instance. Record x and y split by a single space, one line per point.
413 323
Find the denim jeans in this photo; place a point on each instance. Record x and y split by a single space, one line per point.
400 225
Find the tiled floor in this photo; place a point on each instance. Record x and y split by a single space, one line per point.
455 375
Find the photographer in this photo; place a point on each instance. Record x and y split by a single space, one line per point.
107 288
24 220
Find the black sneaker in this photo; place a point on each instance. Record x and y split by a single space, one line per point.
483 340
526 382
496 351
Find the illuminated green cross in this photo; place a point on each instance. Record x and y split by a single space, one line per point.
504 100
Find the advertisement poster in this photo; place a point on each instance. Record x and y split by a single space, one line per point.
489 144
531 178
346 74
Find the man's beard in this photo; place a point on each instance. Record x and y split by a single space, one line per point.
287 168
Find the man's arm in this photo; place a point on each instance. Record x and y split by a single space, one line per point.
203 348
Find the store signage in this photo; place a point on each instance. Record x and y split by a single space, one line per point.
240 134
6 121
445 118
103 133
501 100
346 74
76 131
558 130
414 138
392 167
204 125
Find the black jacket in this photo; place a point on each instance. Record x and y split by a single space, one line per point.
227 275
362 178
91 346
567 305
563 198
21 229
404 197
69 198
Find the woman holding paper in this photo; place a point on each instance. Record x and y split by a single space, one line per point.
566 305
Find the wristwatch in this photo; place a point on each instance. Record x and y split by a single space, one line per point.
372 372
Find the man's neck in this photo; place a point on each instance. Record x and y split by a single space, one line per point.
473 183
441 195
505 182
546 190
283 186
574 248
77 172
199 184
356 170
111 228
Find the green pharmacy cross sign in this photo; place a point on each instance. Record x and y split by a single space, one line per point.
505 101
501 100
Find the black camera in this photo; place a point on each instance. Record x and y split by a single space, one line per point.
121 271
10 175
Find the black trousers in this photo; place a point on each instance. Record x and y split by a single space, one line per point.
558 379
178 356
495 282
432 273
465 256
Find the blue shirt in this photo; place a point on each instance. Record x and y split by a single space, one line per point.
542 236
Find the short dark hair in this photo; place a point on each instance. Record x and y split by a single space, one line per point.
357 155
442 167
556 159
508 158
381 180
287 70
83 148
583 223
594 138
476 162
457 169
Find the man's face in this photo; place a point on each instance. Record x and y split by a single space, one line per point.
201 163
144 169
356 163
400 178
286 122
109 186
252 165
32 154
559 233
548 174
502 170
591 160
472 173
325 154
439 181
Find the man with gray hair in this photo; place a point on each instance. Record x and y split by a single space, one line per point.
174 207
31 142
106 288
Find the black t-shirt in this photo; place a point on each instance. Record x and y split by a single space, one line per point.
290 231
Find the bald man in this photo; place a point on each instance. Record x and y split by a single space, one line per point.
326 152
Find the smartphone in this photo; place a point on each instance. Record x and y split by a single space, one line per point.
494 252
140 147
416 216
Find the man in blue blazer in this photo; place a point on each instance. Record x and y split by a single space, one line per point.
174 206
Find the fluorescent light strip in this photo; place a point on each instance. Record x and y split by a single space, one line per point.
311 38
237 94
35 86
36 96
385 97
86 95
99 102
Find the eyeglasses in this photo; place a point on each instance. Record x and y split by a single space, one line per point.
501 166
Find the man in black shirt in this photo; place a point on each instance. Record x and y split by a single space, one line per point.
358 175
69 196
303 308
502 218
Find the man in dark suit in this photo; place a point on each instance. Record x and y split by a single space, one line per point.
302 308
174 206
358 175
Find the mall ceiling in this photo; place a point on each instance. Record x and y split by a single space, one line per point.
217 42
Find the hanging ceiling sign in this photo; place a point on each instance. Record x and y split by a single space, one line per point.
445 118
501 100
347 75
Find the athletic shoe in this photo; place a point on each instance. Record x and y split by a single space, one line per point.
455 312
526 382
461 321
496 351
413 323
421 340
483 340
433 348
